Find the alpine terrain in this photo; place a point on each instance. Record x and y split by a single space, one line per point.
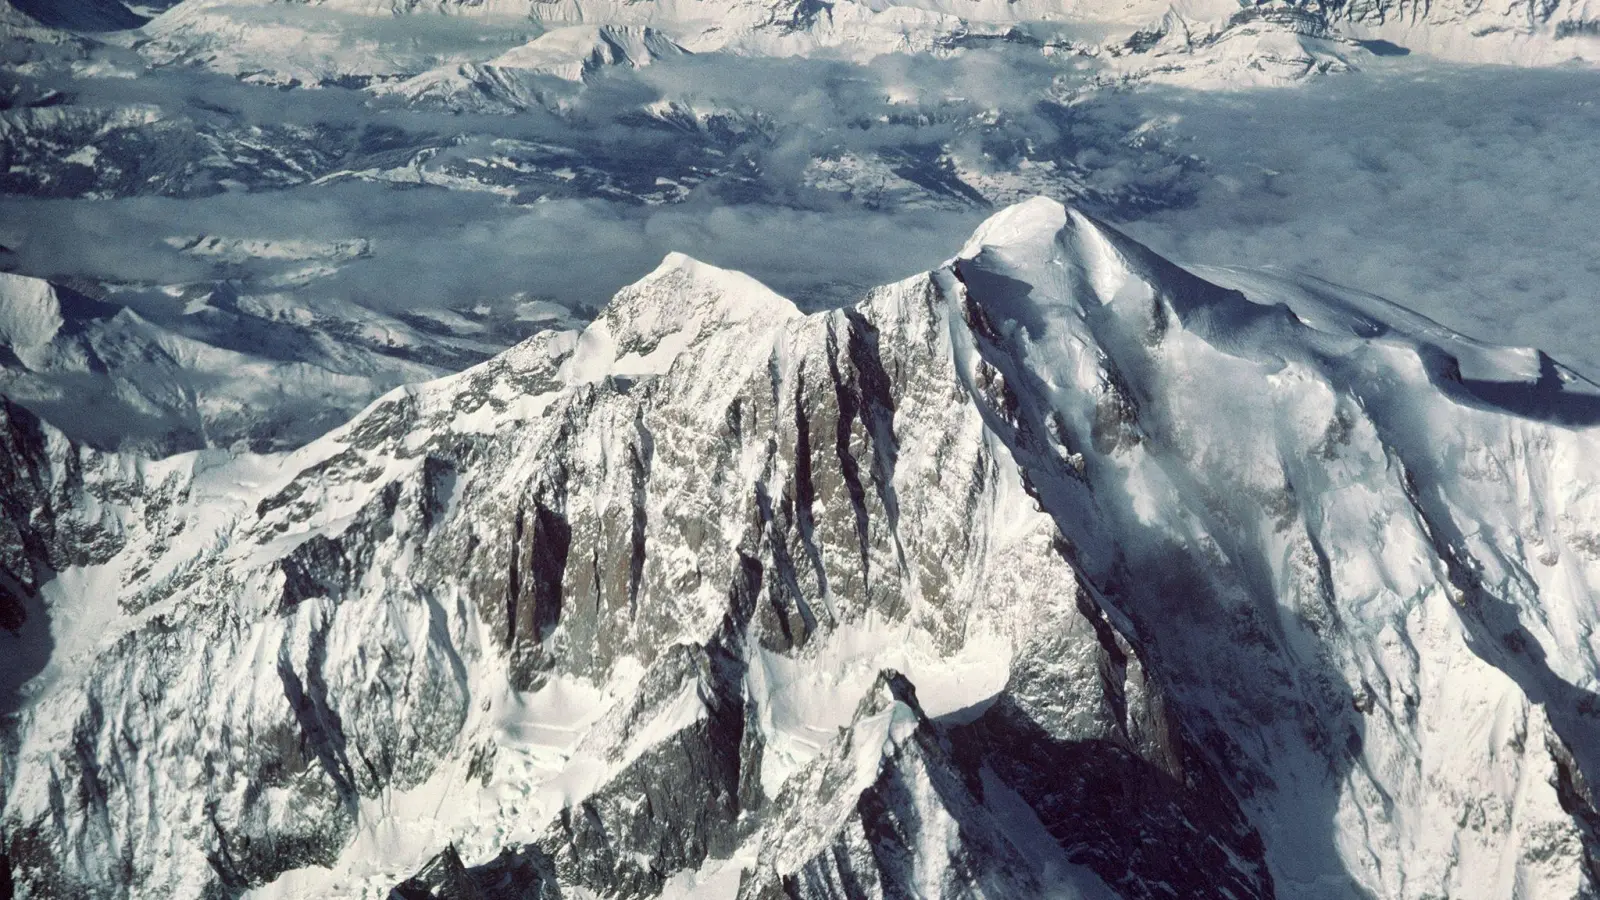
1056 571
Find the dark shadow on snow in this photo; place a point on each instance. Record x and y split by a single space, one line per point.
526 873
1545 400
1117 814
1217 645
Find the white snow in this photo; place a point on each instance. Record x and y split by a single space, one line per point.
1270 482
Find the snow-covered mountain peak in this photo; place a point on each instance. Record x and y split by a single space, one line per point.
30 313
517 79
1029 225
644 328
615 609
578 49
730 295
1040 234
1050 265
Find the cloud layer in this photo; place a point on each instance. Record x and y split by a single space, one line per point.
1465 193
1462 192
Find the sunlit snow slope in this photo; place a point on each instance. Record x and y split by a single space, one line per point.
1056 571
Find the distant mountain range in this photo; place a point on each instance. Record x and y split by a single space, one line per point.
221 369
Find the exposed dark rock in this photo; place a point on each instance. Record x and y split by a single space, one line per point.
521 874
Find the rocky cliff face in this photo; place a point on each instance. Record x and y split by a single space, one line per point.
1056 571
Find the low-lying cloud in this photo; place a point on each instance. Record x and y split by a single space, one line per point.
1462 192
434 247
1466 193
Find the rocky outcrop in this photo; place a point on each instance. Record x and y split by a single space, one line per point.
1055 570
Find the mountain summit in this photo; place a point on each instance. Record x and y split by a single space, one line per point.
1055 571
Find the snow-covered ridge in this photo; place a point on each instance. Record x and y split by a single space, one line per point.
1212 42
30 314
263 371
485 56
983 586
513 80
242 250
644 329
577 50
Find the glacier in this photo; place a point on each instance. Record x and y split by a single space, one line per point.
1058 570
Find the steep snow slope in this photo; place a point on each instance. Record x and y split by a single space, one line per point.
1056 571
